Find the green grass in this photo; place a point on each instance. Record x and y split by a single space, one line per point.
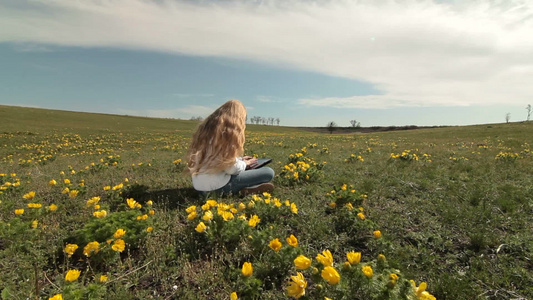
460 219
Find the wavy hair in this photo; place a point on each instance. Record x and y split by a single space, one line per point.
218 140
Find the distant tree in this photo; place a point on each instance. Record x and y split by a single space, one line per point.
507 117
277 121
332 126
528 107
355 123
197 118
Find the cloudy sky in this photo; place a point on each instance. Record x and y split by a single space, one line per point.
305 62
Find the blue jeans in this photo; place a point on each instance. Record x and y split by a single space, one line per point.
246 179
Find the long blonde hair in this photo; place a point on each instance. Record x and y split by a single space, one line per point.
218 140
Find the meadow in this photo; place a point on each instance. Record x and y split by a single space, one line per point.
96 206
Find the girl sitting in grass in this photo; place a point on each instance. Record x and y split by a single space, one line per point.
215 155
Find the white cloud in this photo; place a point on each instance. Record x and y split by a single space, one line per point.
417 53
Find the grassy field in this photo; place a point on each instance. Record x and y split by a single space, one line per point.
447 208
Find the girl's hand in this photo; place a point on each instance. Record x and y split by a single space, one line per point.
250 162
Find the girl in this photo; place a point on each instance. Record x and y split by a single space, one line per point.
214 156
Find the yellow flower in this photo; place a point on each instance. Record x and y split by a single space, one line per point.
247 269
192 215
72 275
294 208
103 278
93 201
201 227
190 209
349 206
107 188
29 196
325 258
381 257
100 214
132 203
73 193
117 187
361 216
149 229
242 206
151 212
35 205
211 203
302 263
70 249
206 207
331 275
292 240
393 279
56 297
367 270
34 224
119 233
52 207
150 202
377 234
119 245
143 217
297 286
233 296
253 221
66 181
275 244
227 215
92 247
354 257
208 215
19 211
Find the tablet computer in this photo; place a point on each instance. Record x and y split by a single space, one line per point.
261 162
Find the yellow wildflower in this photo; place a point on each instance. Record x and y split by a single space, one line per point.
103 278
132 203
294 208
190 209
377 234
247 269
211 203
72 275
92 247
93 201
361 216
100 214
119 245
119 233
73 193
367 270
275 244
253 221
325 258
56 297
201 227
66 181
29 196
227 215
34 224
151 212
143 217
233 296
65 191
192 215
242 206
150 202
149 229
331 275
302 262
208 215
70 249
19 211
354 257
107 188
292 240
297 286
35 205
52 207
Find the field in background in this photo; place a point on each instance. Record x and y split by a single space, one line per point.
454 207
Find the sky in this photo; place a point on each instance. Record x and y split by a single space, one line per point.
379 62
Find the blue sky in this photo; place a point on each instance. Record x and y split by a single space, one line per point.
307 63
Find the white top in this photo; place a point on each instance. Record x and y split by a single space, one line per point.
206 182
